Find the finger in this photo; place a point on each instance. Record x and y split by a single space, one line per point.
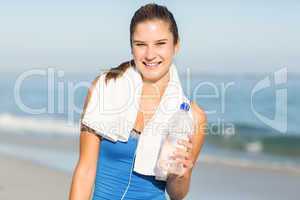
185 163
192 139
180 155
183 155
188 164
177 160
182 151
185 143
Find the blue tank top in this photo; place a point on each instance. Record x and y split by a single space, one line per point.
115 177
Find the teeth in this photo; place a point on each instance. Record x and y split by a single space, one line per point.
151 64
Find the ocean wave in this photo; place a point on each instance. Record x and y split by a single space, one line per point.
246 139
30 125
255 139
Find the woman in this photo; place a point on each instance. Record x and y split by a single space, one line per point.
154 42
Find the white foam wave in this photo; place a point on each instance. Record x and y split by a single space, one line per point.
22 125
254 147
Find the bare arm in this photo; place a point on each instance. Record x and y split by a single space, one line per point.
85 170
178 186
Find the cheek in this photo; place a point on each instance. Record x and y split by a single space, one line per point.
167 52
138 53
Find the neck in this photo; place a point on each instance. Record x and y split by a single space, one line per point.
156 87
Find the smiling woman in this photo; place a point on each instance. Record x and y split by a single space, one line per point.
153 49
117 167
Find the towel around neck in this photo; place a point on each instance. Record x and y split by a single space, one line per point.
113 107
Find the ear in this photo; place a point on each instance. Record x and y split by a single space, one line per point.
177 47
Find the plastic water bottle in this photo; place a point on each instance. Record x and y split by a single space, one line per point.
180 126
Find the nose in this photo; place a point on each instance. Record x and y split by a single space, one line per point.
150 54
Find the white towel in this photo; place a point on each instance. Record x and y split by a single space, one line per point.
112 111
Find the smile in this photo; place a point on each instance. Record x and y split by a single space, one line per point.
152 65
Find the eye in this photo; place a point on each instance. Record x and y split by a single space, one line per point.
140 44
160 43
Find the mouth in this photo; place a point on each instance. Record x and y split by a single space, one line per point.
152 65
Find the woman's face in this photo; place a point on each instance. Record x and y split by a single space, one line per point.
153 49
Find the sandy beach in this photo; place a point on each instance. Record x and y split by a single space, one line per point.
49 177
222 182
21 179
28 180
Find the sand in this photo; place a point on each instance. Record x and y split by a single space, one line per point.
27 180
20 179
24 180
222 182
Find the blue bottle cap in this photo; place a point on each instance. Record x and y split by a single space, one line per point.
184 106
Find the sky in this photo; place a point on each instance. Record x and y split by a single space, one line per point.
216 36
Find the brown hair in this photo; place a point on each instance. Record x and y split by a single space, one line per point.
147 12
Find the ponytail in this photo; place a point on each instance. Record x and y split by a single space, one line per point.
116 72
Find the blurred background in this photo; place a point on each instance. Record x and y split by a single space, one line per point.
239 60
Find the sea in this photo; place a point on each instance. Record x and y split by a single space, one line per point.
252 117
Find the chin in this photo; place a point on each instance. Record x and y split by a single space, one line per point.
152 74
153 77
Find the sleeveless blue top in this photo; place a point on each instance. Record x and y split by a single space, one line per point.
115 178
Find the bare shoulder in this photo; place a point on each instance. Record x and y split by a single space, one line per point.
89 140
83 127
90 91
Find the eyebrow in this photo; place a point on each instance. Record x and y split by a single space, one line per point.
139 41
